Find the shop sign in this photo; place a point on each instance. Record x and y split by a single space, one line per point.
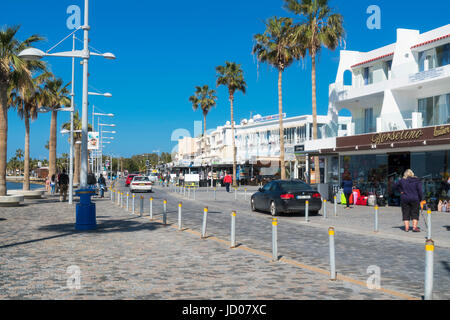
389 137
386 138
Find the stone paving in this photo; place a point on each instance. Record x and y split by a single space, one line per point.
129 257
400 256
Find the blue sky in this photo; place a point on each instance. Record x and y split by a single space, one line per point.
166 48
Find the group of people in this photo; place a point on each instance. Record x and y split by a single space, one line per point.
58 182
411 196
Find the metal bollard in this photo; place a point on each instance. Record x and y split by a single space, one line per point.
376 219
235 193
274 239
112 195
141 206
189 192
332 254
324 208
134 196
165 212
429 224
205 218
335 206
194 193
184 191
307 211
179 216
233 230
128 205
151 208
215 193
118 198
429 248
121 199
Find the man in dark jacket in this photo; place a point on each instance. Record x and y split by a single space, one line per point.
63 182
411 195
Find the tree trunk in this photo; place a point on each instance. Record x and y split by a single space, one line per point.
280 111
26 160
3 135
314 114
204 125
77 164
233 138
52 145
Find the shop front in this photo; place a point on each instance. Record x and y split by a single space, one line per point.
377 161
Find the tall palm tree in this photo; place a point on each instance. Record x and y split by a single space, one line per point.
77 146
14 72
278 46
204 99
27 102
56 96
232 76
319 27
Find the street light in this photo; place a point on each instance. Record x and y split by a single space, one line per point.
93 129
86 219
100 125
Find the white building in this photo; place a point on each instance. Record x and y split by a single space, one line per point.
400 86
399 99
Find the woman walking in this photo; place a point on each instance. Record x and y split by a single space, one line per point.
347 185
411 195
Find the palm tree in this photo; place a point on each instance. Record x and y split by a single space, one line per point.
278 46
204 99
232 76
319 27
14 73
27 103
56 96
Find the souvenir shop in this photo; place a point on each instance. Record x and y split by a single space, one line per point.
377 161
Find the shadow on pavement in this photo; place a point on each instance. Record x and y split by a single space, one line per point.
103 227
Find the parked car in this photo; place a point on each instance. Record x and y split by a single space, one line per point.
129 179
286 196
141 183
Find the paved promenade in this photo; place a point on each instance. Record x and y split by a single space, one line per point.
131 257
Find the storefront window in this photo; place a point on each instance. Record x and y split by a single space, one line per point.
433 169
369 172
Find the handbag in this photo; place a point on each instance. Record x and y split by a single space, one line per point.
343 199
444 206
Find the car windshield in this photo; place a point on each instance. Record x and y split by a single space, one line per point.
294 186
140 179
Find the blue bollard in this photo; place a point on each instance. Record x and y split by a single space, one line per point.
85 211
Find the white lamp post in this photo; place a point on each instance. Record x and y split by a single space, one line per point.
86 215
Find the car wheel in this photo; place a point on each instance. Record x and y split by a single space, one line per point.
252 204
273 209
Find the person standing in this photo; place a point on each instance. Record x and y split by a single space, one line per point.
347 185
227 180
102 185
63 182
411 194
53 184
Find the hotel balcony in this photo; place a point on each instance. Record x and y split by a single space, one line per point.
401 78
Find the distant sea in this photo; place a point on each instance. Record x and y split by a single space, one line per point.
19 186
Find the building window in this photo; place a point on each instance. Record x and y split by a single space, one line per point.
369 124
435 110
434 58
368 75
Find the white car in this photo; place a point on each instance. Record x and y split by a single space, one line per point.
141 184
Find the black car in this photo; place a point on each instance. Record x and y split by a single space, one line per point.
286 196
